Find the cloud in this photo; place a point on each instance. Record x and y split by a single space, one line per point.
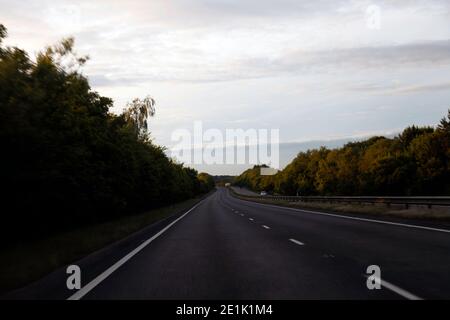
423 88
301 66
416 55
225 40
434 53
395 89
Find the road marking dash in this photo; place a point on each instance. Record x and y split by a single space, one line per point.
297 242
401 292
350 217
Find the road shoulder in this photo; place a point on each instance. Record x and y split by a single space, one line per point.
50 283
441 222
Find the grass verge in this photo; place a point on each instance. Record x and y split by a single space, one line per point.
27 262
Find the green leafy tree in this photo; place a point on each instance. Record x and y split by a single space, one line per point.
66 160
416 162
444 125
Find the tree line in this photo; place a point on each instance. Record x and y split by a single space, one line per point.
66 160
415 162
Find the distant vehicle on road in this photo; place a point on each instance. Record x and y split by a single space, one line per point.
263 193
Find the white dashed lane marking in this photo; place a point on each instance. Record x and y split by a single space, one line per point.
297 242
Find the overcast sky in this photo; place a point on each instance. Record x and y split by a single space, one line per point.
313 69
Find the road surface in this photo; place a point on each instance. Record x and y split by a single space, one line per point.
244 191
227 248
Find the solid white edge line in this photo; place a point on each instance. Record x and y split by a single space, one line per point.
392 287
297 242
401 292
265 227
354 218
97 280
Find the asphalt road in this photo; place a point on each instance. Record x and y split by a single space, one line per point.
244 191
226 248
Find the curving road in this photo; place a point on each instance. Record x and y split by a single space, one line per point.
226 248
